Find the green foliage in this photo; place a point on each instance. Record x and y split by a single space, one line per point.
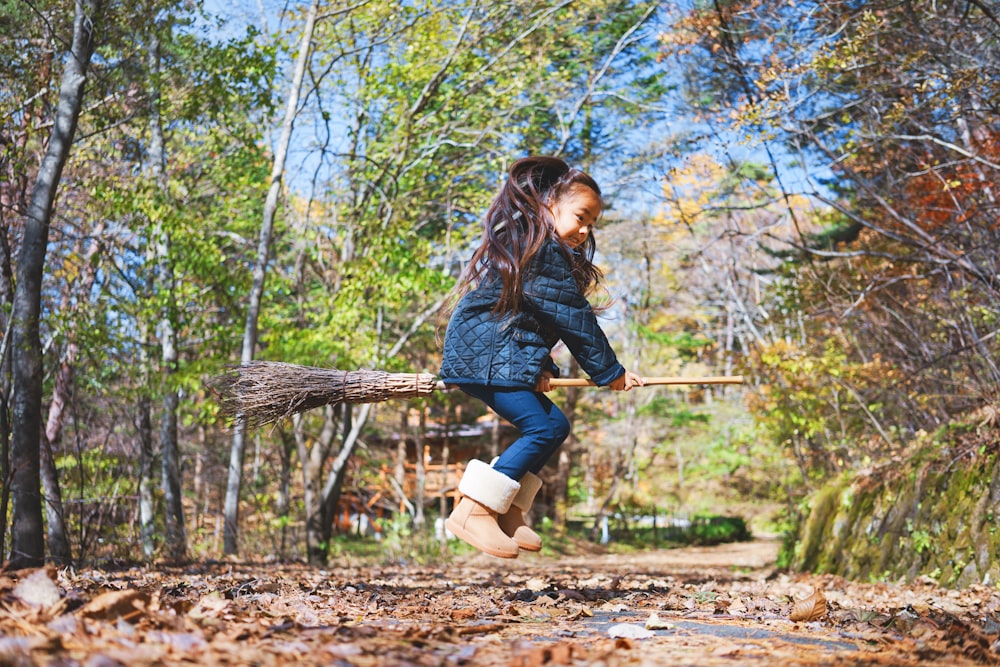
922 540
688 344
98 499
701 530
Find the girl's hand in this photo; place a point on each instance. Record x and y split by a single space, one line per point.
543 382
626 381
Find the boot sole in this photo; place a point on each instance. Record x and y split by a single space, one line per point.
466 537
529 548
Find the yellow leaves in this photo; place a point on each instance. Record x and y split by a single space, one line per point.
688 190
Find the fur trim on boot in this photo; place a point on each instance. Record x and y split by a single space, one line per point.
512 522
487 493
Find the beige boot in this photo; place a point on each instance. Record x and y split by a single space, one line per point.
512 523
487 493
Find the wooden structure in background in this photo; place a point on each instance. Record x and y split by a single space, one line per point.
445 451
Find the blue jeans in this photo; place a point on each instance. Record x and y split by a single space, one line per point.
542 424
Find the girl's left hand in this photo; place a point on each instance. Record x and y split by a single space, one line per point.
626 381
543 385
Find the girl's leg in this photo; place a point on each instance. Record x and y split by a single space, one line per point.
542 425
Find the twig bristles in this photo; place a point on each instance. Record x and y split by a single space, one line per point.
264 392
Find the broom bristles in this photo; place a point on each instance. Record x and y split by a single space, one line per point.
265 392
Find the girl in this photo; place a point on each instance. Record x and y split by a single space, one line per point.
531 274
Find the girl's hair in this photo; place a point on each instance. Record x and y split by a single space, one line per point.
518 222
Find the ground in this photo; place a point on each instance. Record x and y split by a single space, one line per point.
724 605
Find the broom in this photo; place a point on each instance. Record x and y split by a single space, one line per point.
265 392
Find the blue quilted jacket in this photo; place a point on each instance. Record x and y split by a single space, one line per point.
513 350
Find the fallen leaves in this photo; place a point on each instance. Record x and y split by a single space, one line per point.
126 604
610 610
654 622
630 631
812 608
38 589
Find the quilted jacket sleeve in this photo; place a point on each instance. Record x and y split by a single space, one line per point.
552 296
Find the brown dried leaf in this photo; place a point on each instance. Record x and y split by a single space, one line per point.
537 584
810 609
209 606
577 611
623 643
112 604
562 653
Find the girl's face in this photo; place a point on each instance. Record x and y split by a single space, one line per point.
575 213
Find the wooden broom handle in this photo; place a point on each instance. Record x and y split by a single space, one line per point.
720 379
555 383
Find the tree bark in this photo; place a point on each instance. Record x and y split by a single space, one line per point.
59 551
176 534
14 201
238 448
421 472
28 544
283 502
338 470
5 473
560 484
59 547
147 505
445 455
312 459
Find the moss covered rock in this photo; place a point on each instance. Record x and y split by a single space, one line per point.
933 514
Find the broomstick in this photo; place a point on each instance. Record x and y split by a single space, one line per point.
265 392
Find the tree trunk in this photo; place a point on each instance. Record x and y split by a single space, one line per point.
5 476
238 448
176 535
59 551
283 502
312 459
147 505
13 203
421 472
399 472
620 466
338 470
28 544
445 455
560 484
62 390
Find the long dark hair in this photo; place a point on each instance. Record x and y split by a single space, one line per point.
518 223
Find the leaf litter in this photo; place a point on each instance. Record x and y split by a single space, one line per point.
708 606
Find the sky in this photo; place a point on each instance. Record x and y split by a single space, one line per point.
634 191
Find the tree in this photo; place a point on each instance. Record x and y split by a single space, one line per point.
176 537
260 271
887 275
27 545
194 188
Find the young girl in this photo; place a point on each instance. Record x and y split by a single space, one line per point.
531 274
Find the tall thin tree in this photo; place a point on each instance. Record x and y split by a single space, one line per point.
176 534
238 448
28 542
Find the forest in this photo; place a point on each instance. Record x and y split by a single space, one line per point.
803 193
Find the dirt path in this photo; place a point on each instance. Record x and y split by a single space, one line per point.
709 606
